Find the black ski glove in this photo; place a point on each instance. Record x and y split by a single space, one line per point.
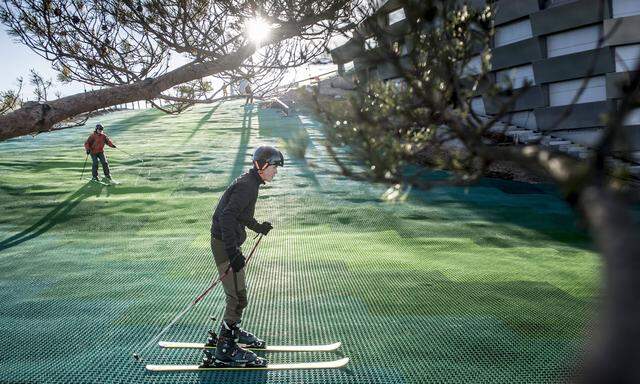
88 151
236 259
264 228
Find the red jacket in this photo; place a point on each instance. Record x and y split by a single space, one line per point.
95 143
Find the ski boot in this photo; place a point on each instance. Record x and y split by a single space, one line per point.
228 353
249 340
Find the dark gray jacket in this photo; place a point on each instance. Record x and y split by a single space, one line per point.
235 210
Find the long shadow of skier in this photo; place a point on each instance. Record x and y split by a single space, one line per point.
241 155
139 119
294 137
58 215
202 122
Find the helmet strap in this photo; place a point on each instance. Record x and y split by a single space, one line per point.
260 169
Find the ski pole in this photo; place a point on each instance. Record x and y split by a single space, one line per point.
130 155
137 357
85 164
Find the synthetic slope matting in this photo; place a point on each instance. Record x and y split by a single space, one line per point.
486 284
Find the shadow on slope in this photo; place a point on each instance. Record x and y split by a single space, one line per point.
56 216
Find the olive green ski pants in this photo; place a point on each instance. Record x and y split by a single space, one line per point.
234 284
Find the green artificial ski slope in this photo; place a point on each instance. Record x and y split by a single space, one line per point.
490 284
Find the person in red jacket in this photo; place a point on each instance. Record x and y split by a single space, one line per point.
95 147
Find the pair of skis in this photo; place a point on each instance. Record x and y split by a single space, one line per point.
106 183
340 363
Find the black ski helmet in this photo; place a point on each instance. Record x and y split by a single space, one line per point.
99 127
266 155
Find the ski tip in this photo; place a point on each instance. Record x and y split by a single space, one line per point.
324 348
342 362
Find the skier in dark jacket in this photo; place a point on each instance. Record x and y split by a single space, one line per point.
235 212
95 147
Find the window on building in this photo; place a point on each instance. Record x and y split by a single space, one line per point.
623 8
396 47
633 118
563 92
370 43
348 66
555 3
404 49
575 40
512 32
524 119
477 105
396 16
397 83
473 67
627 57
515 77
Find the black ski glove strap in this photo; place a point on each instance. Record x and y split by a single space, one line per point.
236 259
264 228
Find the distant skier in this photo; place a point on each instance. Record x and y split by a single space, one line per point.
95 147
249 92
235 211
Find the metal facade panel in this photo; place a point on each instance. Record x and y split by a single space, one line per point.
568 16
629 142
388 71
573 66
347 52
522 52
625 30
575 40
532 98
586 115
563 93
509 10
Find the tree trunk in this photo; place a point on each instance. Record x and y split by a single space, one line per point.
33 117
614 355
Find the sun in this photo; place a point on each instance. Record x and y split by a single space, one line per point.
257 30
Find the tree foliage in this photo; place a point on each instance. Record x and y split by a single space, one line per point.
126 48
426 113
10 99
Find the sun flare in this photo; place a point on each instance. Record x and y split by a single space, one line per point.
257 29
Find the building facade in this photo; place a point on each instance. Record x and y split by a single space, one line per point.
555 45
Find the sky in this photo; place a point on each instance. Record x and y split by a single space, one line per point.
16 62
